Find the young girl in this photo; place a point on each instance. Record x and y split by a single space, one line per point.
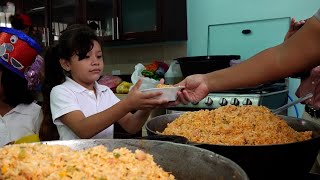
74 103
20 69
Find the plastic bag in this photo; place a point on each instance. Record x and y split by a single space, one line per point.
147 82
174 74
28 139
111 81
234 62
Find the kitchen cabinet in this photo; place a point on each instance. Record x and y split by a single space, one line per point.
53 16
140 21
62 13
35 9
117 22
102 14
246 38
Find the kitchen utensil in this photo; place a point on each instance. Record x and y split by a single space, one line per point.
281 161
184 161
299 100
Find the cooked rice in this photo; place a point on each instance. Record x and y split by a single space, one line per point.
235 125
163 86
40 161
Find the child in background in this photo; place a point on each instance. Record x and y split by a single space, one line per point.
22 22
20 67
75 105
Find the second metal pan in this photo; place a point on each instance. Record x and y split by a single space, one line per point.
286 161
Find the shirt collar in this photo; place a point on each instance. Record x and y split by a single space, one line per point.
22 109
74 86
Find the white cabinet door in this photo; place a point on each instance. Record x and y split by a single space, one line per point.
246 38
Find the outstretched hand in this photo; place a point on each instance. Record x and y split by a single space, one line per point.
294 27
138 100
196 88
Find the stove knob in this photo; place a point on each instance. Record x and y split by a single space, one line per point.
247 101
235 101
208 101
194 103
223 102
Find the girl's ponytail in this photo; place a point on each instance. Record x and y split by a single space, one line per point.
54 75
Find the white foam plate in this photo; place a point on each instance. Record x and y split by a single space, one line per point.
169 93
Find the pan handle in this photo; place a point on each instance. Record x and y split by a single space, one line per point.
170 138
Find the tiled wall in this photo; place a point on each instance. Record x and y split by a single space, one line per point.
125 58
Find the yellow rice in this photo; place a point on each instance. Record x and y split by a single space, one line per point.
164 86
40 161
235 125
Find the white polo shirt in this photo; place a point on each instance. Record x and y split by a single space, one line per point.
71 96
23 120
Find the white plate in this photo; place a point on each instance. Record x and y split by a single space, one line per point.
169 93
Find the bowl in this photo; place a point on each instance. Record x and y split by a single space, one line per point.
168 93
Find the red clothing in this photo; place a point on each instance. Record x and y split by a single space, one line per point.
311 84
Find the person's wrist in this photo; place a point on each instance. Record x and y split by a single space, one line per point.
127 105
208 82
145 111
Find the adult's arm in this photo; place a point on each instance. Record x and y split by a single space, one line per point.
300 52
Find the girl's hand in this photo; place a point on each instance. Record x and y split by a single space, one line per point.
138 100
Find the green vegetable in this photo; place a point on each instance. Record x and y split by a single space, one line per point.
116 155
147 73
156 77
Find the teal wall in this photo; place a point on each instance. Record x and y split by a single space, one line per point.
202 13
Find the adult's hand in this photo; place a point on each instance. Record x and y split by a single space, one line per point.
196 88
294 27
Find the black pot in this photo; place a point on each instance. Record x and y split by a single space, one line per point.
184 161
281 161
204 64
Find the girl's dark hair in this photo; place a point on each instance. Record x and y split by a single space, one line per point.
76 39
15 88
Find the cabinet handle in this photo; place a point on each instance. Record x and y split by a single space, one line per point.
112 28
47 36
117 28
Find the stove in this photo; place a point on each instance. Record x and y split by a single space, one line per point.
269 95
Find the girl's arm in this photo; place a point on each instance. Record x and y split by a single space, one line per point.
133 123
87 127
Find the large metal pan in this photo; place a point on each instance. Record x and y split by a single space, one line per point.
184 161
283 161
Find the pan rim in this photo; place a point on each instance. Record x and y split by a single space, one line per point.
239 146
